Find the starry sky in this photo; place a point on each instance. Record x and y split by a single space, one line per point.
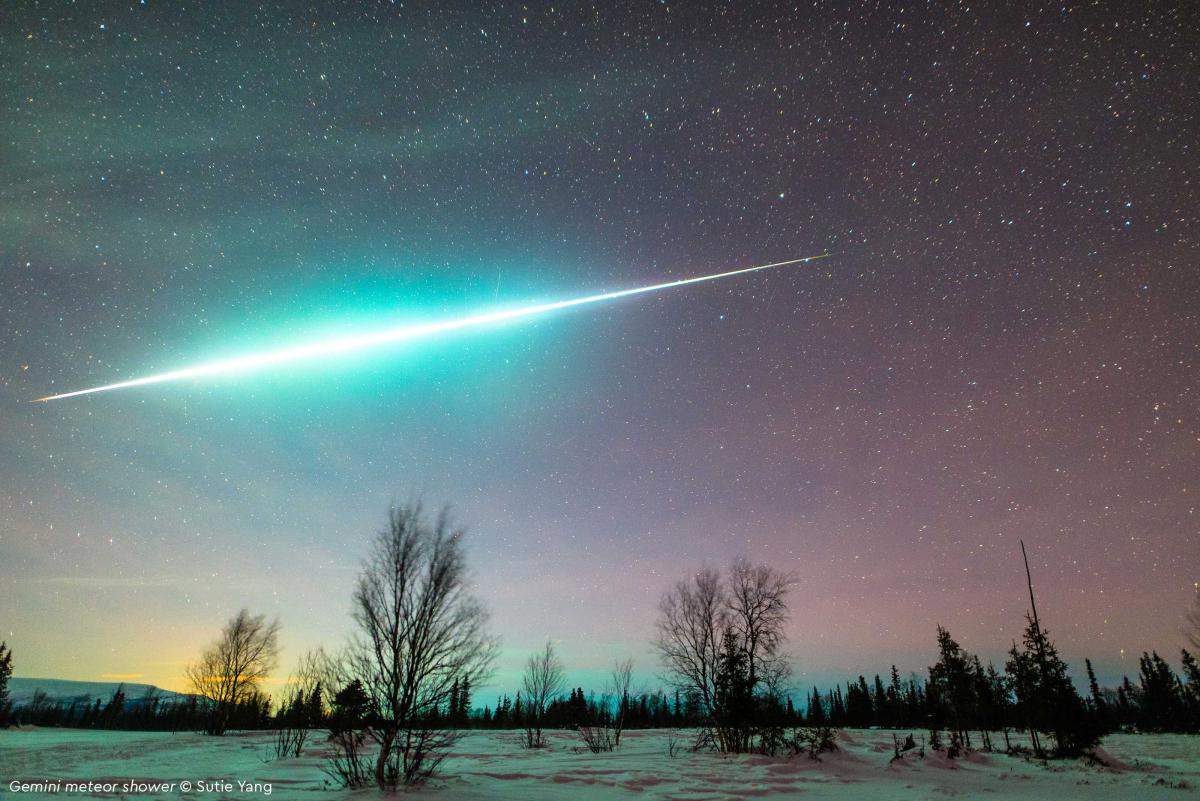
1003 345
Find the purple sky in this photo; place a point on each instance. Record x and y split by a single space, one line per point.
1002 346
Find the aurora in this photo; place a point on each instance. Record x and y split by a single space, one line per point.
404 333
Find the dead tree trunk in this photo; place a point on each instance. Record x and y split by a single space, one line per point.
1041 651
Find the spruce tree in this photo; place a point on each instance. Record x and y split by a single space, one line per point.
837 708
733 697
1127 702
464 699
1099 705
895 694
1161 707
1046 699
350 707
914 704
452 703
880 704
954 686
1000 704
858 704
816 709
314 713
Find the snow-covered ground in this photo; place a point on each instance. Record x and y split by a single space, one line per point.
492 765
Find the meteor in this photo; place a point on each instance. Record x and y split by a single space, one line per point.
402 333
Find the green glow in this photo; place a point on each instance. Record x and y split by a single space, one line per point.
400 334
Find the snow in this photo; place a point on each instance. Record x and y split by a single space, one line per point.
492 765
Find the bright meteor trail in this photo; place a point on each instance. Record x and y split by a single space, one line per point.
402 333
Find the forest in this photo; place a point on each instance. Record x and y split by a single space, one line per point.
413 678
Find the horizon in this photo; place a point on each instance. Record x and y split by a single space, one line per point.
1002 346
506 681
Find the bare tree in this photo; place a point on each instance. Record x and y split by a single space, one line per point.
622 680
604 734
306 705
720 643
543 680
1192 629
232 668
693 616
419 629
318 677
758 612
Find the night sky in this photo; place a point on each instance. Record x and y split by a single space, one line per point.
1003 344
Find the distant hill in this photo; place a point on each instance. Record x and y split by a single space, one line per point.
22 690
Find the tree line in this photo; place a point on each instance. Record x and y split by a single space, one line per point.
960 690
1158 699
150 712
399 694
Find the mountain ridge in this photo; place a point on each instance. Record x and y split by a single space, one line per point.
23 688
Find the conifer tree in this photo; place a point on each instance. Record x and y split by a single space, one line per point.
92 715
952 682
816 709
350 705
1002 696
464 699
837 708
452 702
914 704
1099 705
112 710
314 713
1046 699
733 696
858 704
895 695
1127 702
1161 707
991 692
880 704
